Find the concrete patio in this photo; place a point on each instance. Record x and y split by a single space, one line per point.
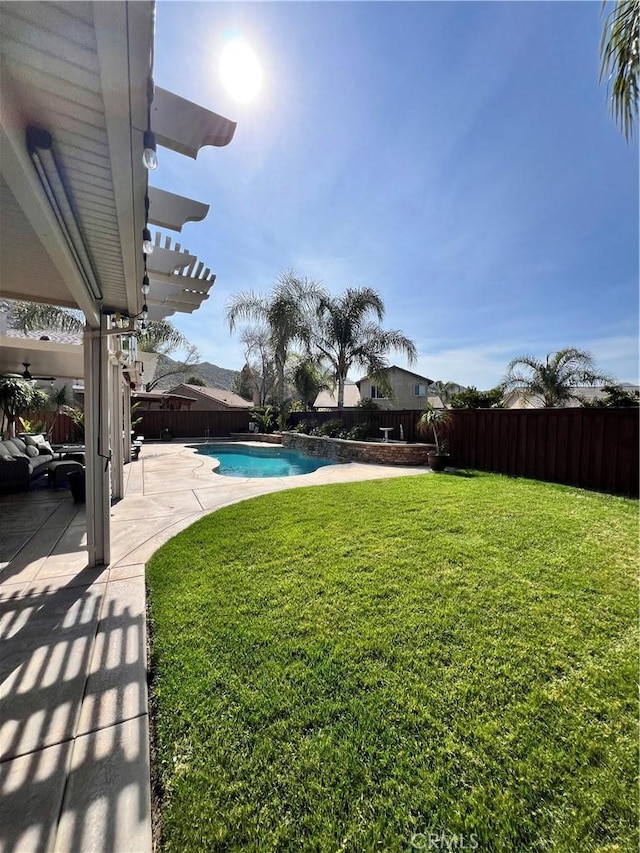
74 742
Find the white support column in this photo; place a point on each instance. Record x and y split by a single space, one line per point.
126 399
117 472
96 430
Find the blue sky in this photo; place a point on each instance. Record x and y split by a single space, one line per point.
458 157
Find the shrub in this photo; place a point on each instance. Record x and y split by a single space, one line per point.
307 427
332 429
369 404
615 397
474 399
360 432
265 417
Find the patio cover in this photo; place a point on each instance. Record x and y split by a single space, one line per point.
80 71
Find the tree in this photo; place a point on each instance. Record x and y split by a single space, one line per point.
168 367
308 379
59 399
17 397
284 314
195 380
243 383
474 399
615 397
162 337
259 361
620 58
346 334
444 390
554 380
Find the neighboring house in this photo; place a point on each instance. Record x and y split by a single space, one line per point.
211 399
410 390
161 401
327 400
519 400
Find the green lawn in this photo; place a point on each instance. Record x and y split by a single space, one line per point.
337 668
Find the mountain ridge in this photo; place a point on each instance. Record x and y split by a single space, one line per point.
214 375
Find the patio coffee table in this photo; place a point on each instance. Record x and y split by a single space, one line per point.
73 452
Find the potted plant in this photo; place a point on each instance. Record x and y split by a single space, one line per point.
434 419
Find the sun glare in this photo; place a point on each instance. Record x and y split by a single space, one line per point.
240 71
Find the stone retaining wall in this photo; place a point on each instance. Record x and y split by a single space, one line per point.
381 453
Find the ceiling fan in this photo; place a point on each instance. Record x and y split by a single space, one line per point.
28 376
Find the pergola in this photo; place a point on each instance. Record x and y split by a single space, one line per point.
78 108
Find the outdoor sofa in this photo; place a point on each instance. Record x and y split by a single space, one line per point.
23 460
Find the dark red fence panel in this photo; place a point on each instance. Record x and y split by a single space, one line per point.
61 429
590 448
192 424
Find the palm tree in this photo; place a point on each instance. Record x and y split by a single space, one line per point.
554 380
346 335
161 336
444 390
158 336
284 313
620 56
35 317
309 379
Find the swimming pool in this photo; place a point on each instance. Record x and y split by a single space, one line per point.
240 461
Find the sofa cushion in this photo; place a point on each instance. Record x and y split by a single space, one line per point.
12 449
40 460
19 443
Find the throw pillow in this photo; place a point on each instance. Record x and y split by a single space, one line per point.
34 440
32 451
45 447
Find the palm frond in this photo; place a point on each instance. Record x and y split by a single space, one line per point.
619 52
35 317
246 305
161 336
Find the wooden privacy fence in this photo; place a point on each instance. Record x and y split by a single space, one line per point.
192 424
405 418
61 429
590 448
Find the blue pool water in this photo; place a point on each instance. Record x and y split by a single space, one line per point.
236 461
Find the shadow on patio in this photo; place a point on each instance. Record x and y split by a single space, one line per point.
74 771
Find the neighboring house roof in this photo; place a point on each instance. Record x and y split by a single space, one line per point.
435 401
159 396
402 370
519 400
47 335
235 401
329 399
